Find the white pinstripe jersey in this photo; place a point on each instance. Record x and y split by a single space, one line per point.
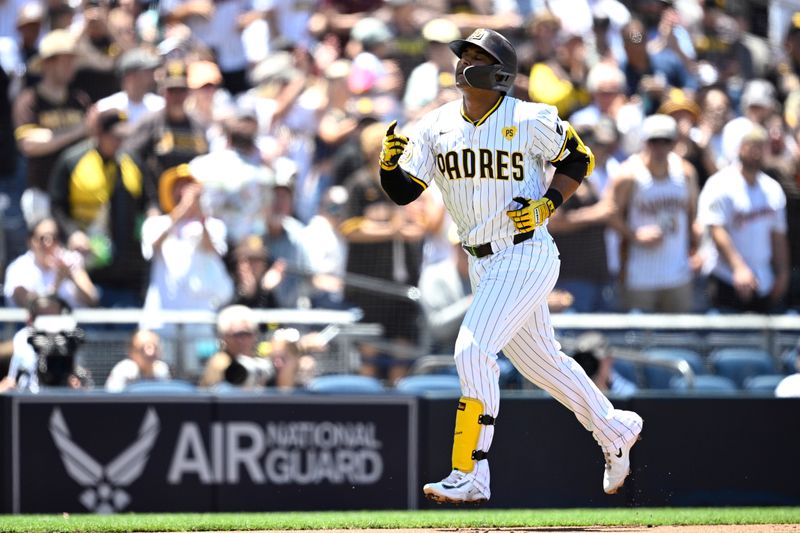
664 203
479 167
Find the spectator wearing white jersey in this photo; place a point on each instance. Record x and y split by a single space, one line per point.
654 199
745 213
137 77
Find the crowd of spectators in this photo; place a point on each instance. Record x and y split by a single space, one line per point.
191 154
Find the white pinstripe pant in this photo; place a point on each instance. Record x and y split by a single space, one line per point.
509 312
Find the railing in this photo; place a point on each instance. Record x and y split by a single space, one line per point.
632 331
110 329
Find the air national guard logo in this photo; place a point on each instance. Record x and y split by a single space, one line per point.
103 485
509 132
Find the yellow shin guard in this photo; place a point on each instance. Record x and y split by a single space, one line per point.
469 418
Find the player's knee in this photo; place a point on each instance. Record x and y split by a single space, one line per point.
471 344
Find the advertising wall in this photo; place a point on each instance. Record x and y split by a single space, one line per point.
108 454
105 453
695 451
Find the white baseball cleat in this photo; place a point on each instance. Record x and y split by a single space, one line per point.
458 487
618 462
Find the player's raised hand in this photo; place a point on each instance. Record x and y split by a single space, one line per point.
393 147
532 214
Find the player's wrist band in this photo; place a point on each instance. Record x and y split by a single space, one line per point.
554 196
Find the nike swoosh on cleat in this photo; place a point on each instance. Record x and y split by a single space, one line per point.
619 453
454 486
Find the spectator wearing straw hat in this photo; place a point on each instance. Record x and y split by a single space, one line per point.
49 118
185 248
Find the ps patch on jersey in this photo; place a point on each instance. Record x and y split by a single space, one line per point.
509 132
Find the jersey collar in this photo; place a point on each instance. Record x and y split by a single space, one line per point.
484 117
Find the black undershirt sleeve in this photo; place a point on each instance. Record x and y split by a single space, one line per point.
400 186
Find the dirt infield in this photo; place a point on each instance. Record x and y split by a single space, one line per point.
753 528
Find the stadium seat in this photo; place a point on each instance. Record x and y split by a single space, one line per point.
658 377
627 369
692 357
764 383
740 363
789 361
704 384
428 382
161 386
345 383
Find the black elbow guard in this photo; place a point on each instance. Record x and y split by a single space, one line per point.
576 160
400 186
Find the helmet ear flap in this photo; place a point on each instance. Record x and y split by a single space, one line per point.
492 77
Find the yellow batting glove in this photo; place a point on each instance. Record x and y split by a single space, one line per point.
393 147
532 214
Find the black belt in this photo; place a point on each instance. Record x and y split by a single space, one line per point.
482 250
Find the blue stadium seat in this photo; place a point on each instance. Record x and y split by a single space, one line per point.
764 383
789 361
741 363
658 377
627 369
692 357
428 382
345 383
161 386
704 384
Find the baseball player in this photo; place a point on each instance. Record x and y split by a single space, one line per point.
487 154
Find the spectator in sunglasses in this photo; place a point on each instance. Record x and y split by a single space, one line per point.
47 268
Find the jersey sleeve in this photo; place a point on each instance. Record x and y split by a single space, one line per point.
418 160
24 114
779 223
713 209
548 133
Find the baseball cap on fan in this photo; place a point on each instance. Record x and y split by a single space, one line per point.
371 31
758 93
137 59
173 75
30 13
659 127
441 31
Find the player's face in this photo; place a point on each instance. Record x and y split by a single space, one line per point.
471 56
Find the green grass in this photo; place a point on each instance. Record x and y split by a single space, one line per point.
445 518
